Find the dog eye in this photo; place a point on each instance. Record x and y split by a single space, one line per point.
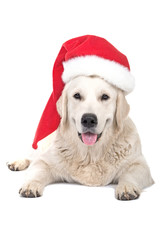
77 96
105 97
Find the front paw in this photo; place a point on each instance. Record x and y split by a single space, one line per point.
31 190
127 191
18 165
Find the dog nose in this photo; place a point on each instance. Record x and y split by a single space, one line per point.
89 120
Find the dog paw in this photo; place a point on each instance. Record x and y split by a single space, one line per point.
18 165
31 190
127 191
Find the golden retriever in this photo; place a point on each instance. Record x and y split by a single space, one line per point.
95 144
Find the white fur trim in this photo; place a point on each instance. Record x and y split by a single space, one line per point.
111 71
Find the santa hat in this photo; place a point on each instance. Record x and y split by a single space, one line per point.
86 55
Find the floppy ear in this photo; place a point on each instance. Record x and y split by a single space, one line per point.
122 110
62 107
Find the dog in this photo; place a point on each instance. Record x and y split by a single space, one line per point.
96 143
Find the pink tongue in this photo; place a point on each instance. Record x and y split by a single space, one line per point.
89 138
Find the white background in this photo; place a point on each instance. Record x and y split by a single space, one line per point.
31 35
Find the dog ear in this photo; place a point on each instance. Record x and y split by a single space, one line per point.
122 110
62 107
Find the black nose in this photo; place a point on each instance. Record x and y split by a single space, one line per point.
89 120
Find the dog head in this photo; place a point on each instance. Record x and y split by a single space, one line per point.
89 106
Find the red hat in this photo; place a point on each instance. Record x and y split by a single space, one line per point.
87 55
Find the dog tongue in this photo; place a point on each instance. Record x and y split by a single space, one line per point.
89 138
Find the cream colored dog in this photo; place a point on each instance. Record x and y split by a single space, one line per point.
96 143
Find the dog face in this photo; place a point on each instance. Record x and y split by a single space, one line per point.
89 105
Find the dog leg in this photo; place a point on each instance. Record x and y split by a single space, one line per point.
133 180
38 176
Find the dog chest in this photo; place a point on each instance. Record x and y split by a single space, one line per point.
90 173
94 168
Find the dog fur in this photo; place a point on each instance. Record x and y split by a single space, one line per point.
115 158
